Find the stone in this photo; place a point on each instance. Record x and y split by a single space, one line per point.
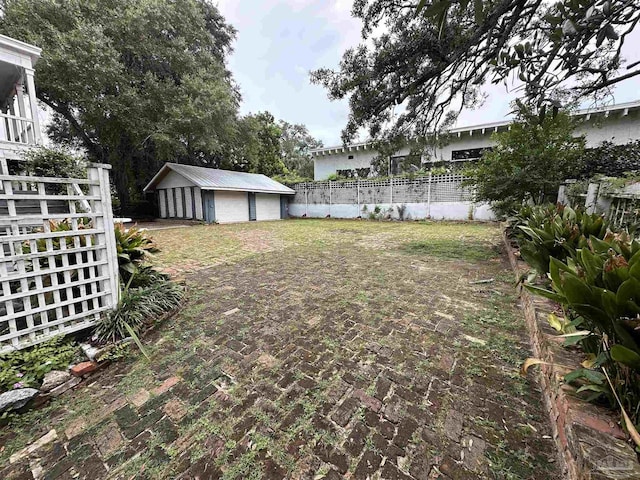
368 401
368 465
453 425
83 368
44 440
75 428
166 385
175 409
60 389
473 453
54 379
109 440
15 399
344 412
140 397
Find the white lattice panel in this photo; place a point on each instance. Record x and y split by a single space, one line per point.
58 264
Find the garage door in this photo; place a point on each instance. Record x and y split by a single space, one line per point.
231 206
267 206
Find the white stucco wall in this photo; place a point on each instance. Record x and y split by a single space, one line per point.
188 204
231 206
172 205
413 211
179 204
162 203
172 180
616 129
328 164
198 195
267 206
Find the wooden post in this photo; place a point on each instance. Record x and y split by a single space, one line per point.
429 197
104 221
24 135
31 90
591 201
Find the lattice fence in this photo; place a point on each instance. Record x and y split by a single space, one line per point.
58 263
436 188
624 211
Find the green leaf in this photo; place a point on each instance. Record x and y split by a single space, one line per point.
626 356
577 291
545 293
591 263
628 290
136 339
591 376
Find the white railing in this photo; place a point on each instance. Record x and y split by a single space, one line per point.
15 129
58 263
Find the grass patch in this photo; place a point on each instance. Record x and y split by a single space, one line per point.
453 249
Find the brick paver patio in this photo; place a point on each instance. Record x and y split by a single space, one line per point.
348 356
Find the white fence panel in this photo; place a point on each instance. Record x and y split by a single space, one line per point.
433 196
58 262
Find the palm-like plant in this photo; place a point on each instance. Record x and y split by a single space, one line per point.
133 247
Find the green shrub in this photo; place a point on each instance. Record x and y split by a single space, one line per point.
133 247
600 285
27 368
53 162
528 163
138 308
548 231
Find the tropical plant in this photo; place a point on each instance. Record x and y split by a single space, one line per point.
138 308
555 231
133 247
600 287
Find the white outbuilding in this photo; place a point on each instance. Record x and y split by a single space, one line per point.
213 195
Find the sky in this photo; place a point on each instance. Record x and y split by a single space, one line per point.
280 41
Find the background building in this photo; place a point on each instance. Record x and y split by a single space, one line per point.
619 124
19 123
222 196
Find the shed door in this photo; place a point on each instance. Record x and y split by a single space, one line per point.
252 206
284 203
209 206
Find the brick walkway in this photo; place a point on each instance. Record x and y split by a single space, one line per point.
322 363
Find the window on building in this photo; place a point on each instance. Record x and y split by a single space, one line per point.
469 153
405 164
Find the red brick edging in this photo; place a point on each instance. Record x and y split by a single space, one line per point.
590 443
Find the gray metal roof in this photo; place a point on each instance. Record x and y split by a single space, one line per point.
216 179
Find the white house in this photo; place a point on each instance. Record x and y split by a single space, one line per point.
619 124
213 195
19 123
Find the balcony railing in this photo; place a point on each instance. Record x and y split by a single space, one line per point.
16 130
